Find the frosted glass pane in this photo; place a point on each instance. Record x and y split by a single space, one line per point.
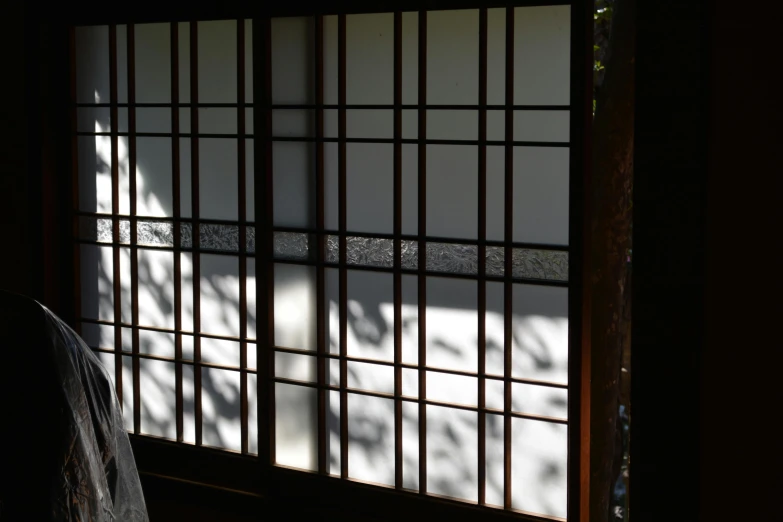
293 167
292 60
92 64
541 195
220 403
183 35
539 400
188 404
410 382
293 123
185 208
371 439
217 61
410 319
97 280
539 458
452 125
410 189
153 120
252 414
331 194
93 119
296 426
452 442
332 300
494 324
542 41
218 121
410 57
218 179
94 157
494 397
295 366
158 398
248 60
156 288
333 427
127 392
153 177
370 187
186 271
153 63
495 465
541 126
370 315
250 194
496 179
251 298
369 57
375 124
410 445
540 333
331 74
219 351
252 356
452 56
156 343
452 182
98 335
457 389
295 304
370 377
452 323
334 372
187 347
122 63
496 56
220 295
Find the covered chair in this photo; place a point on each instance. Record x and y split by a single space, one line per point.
64 453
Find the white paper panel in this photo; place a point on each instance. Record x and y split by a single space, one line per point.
370 315
452 323
540 333
158 398
296 426
452 57
541 195
153 63
220 402
452 182
542 55
156 288
539 458
371 439
218 192
295 303
295 366
217 61
97 280
452 442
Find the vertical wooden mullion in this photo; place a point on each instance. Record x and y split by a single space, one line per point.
398 455
134 253
175 176
320 238
342 225
115 209
482 259
196 227
262 83
579 298
422 280
242 216
508 238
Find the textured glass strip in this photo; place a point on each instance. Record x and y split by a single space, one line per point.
125 233
332 249
369 251
153 233
224 238
410 254
250 239
495 258
551 265
452 257
186 235
291 245
95 229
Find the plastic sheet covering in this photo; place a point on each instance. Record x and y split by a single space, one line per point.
85 460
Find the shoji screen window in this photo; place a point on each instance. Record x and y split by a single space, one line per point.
373 285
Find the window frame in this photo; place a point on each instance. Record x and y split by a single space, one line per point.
242 472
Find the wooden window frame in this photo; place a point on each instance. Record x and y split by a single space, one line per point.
241 472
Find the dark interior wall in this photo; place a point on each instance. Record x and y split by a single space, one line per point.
742 360
15 254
